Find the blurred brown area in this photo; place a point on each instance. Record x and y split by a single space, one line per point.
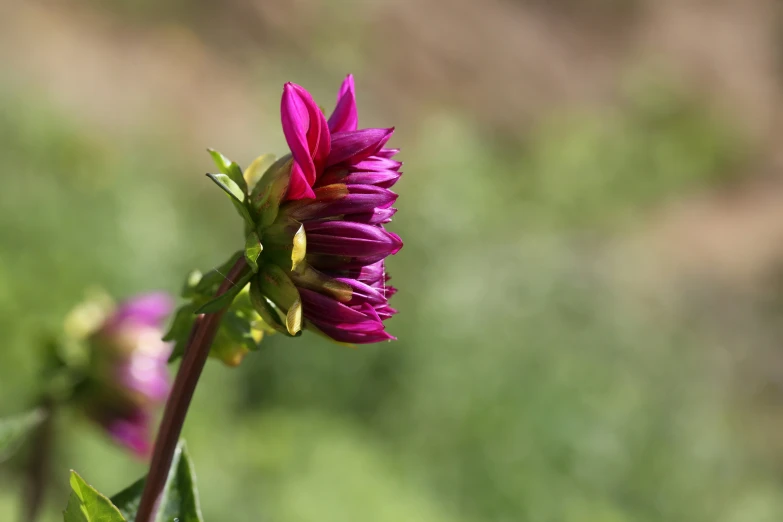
504 63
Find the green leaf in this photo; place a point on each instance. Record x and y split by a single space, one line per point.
87 505
286 244
13 431
270 190
253 248
180 330
257 169
179 500
229 168
212 279
236 194
191 281
265 308
224 300
276 286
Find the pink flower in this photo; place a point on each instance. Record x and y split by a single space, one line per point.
340 191
128 376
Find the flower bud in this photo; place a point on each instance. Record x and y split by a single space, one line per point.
127 376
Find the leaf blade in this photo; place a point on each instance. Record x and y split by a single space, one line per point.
14 429
87 505
179 500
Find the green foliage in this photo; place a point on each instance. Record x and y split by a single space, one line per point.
224 300
241 329
236 194
532 381
87 505
253 249
179 500
14 430
234 173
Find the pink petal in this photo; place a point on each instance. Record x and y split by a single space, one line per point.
355 146
345 116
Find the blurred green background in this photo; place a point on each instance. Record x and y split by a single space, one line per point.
590 290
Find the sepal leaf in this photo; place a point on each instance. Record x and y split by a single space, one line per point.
236 194
253 248
269 192
229 168
224 300
278 288
286 244
256 170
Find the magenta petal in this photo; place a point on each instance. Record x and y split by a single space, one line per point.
332 263
318 135
388 153
345 336
298 187
146 374
341 238
362 293
307 135
329 203
131 431
355 146
295 117
379 216
374 163
382 178
345 116
147 309
372 274
315 305
386 312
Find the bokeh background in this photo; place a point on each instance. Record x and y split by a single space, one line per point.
591 287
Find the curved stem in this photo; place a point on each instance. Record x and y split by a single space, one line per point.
201 337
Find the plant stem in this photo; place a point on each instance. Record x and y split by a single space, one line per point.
40 461
195 357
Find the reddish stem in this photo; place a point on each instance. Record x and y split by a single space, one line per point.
195 357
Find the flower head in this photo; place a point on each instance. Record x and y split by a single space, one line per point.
128 377
322 264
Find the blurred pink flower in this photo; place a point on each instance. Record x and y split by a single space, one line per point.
129 377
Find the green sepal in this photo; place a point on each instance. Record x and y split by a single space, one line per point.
87 505
236 194
269 192
240 332
191 282
253 248
210 281
270 314
179 332
277 287
256 170
14 430
234 339
179 499
230 169
224 300
286 244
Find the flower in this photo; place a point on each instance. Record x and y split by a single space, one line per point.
321 215
128 376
